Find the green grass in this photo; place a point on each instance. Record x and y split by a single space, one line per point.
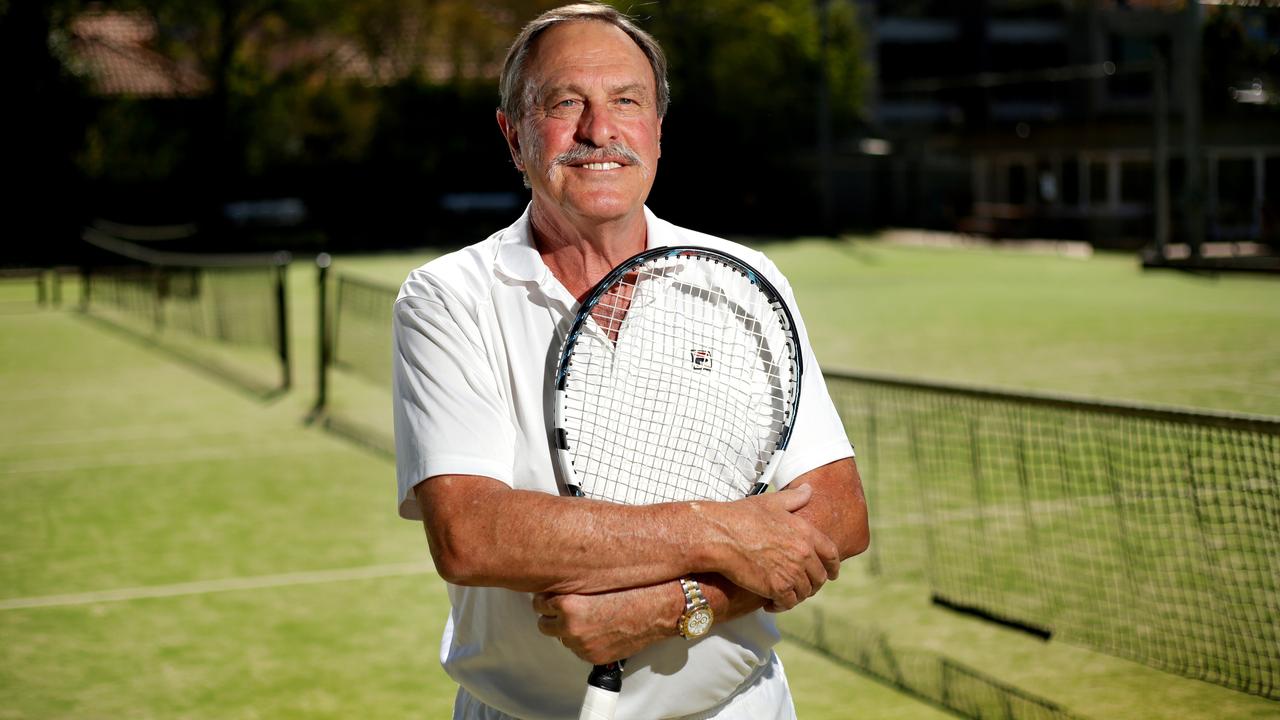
124 470
121 468
1099 327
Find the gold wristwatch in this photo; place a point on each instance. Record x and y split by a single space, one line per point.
698 617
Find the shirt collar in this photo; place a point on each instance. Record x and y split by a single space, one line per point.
657 231
518 259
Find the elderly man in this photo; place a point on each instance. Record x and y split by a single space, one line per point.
543 585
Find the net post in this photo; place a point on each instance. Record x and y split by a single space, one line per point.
1160 149
157 279
85 286
282 260
323 261
41 293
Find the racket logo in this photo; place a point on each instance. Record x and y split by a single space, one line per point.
784 318
701 359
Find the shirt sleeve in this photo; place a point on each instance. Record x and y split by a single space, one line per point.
450 418
818 437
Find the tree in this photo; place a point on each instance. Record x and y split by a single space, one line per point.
746 77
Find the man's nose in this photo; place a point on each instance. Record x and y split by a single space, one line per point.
596 126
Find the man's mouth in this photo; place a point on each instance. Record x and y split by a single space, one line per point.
598 159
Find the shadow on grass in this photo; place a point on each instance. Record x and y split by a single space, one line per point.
372 440
936 679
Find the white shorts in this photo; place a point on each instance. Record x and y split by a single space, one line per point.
764 696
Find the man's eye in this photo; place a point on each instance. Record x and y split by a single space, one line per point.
626 101
566 103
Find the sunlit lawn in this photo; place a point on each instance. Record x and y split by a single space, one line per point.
124 469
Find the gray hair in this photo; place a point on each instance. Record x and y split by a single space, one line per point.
513 86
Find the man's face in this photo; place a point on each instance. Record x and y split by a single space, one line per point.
589 139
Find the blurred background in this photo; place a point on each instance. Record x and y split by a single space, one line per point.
1071 451
347 125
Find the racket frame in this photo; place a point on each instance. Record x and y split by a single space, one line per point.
564 364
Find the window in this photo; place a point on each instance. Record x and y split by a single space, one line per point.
1098 194
1137 183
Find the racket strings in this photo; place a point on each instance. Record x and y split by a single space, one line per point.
682 390
612 308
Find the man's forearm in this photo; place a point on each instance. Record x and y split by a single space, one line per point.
603 627
483 533
838 507
533 542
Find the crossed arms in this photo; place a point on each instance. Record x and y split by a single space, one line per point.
603 574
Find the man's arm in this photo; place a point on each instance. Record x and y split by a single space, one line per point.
482 532
604 627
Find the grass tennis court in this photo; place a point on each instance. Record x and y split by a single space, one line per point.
259 571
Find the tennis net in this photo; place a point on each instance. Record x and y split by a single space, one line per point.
355 358
1143 532
23 289
226 313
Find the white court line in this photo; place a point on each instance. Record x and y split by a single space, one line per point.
146 433
142 458
204 587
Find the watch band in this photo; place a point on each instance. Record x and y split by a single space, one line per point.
698 616
693 596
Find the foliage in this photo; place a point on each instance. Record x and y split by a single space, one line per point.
754 68
387 100
746 81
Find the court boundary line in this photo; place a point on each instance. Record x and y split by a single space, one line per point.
140 458
207 587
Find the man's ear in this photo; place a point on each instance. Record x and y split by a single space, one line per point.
512 137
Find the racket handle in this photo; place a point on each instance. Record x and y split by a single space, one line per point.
603 687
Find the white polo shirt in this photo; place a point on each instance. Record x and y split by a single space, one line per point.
477 335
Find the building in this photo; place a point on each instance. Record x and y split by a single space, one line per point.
1053 118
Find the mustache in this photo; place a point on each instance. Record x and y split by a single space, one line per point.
582 152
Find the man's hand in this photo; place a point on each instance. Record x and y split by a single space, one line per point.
770 550
605 627
778 546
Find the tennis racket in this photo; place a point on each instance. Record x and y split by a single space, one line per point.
679 380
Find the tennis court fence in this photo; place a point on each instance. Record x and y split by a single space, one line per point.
225 313
1145 532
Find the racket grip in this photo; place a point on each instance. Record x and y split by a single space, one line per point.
603 687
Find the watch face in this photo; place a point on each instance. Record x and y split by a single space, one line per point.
699 622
